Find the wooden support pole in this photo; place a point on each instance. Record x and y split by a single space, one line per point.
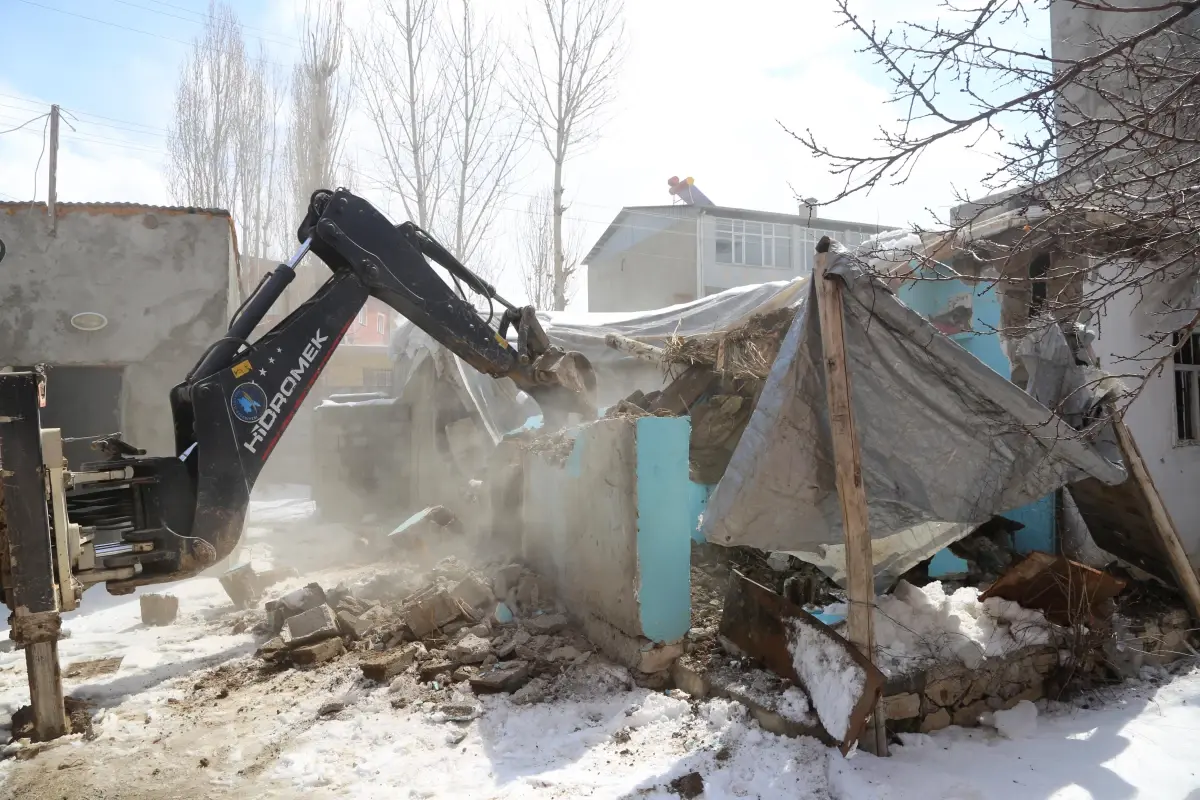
860 571
1164 527
46 690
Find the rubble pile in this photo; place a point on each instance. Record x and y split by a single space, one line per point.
722 376
492 630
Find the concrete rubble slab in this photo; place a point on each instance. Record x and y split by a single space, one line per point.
159 609
504 676
325 650
311 626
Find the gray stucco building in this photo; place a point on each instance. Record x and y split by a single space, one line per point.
658 256
119 302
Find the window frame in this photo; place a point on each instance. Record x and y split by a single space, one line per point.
742 235
362 316
1189 370
380 323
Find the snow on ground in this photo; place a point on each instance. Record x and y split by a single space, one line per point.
1136 743
168 724
915 625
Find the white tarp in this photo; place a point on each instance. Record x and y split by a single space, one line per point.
946 442
502 408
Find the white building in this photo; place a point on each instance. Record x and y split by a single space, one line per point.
657 256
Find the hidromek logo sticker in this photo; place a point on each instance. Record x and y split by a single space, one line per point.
286 389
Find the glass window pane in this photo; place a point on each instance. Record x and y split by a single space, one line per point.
754 251
724 247
1183 407
783 253
724 224
738 250
754 228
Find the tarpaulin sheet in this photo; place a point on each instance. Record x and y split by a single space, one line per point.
946 443
502 408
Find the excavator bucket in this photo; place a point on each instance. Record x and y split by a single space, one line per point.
564 384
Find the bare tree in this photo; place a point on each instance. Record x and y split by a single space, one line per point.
575 49
222 143
403 82
320 107
486 136
202 141
1099 153
535 243
320 102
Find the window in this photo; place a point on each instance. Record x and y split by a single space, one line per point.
377 378
380 323
754 244
362 316
808 244
1187 392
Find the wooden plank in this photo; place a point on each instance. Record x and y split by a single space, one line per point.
860 583
46 690
1162 525
762 624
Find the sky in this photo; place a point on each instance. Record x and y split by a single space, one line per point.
705 90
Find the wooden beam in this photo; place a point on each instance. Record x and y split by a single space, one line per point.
860 571
1163 526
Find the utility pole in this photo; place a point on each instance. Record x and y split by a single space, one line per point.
52 195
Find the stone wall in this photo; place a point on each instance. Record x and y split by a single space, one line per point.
952 694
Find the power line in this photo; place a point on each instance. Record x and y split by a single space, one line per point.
207 16
23 124
138 30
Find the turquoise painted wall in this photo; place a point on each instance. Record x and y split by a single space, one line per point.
929 297
665 528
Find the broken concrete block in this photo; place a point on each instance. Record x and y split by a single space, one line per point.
528 595
432 613
389 665
242 585
434 667
351 626
85 670
471 649
159 609
324 650
507 577
505 676
546 624
426 528
300 600
272 649
564 653
659 657
472 591
311 626
464 673
533 692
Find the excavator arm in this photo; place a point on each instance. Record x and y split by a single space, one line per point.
131 519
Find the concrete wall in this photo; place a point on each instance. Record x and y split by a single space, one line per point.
1174 467
656 271
1074 36
612 525
165 279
